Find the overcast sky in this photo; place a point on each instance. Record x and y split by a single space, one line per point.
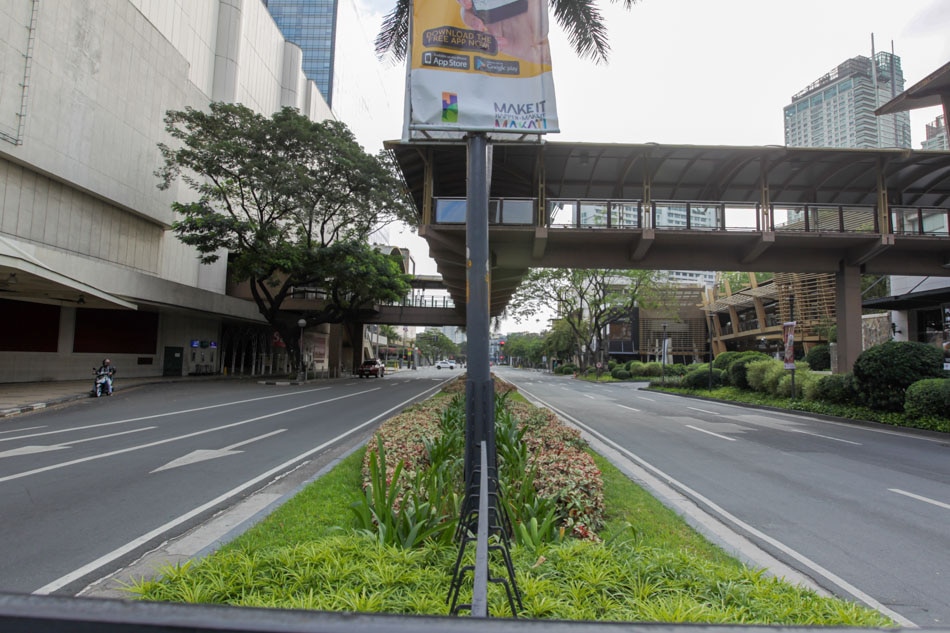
707 72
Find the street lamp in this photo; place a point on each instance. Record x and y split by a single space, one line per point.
663 352
301 376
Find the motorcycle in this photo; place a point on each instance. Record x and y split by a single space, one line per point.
100 386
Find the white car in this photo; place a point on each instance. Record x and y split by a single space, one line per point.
445 364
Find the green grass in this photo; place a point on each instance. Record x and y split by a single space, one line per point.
650 566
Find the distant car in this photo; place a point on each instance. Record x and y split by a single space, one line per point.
372 367
445 364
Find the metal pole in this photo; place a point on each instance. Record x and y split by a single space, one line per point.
663 353
709 324
479 391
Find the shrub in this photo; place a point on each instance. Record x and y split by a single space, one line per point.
763 375
738 368
699 378
928 398
819 358
805 381
834 389
569 368
620 374
725 359
636 368
883 373
652 369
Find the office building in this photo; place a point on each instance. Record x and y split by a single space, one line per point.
936 135
837 109
311 25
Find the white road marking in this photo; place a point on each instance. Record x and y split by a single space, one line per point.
934 502
205 454
159 531
160 415
623 406
120 451
647 399
29 428
723 437
826 437
587 395
703 411
30 450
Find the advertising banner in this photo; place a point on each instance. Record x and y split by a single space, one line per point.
481 66
788 339
945 311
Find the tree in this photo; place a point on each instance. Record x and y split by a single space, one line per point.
290 202
434 345
524 348
580 19
586 300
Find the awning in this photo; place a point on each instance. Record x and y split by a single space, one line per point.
925 299
932 90
24 277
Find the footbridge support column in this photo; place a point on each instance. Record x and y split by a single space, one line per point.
848 311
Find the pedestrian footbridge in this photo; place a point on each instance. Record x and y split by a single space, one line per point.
684 207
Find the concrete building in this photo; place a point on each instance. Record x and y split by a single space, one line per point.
837 109
935 135
88 266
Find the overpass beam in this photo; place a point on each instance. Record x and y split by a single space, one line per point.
866 254
848 315
641 247
765 241
540 244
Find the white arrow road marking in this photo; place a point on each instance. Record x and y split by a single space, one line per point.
35 471
30 450
201 455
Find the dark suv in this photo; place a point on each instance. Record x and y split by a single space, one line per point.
372 367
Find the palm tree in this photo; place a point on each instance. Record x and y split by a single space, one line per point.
580 19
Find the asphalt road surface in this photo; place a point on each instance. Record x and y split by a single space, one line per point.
863 510
89 487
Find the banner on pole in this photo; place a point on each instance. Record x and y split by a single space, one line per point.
788 339
480 66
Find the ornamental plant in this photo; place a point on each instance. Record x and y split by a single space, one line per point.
883 373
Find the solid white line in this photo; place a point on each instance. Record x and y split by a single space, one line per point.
145 538
44 469
253 439
703 411
623 406
683 488
827 437
158 415
939 504
29 428
696 428
587 395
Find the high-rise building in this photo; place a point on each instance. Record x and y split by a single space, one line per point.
936 135
837 110
311 25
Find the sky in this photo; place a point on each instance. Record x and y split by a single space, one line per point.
702 72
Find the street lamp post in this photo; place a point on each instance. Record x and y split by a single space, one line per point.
663 352
301 376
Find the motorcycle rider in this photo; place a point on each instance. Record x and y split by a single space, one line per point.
109 371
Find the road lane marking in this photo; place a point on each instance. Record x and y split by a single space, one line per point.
120 451
827 437
30 450
587 395
134 544
696 428
703 411
939 504
724 514
202 455
161 415
623 406
29 428
647 399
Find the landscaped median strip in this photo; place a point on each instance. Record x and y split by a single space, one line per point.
643 564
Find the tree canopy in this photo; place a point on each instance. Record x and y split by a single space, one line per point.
585 300
290 202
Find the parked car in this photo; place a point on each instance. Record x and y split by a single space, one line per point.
445 364
372 367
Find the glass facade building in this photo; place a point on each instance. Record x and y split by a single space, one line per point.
311 25
837 110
